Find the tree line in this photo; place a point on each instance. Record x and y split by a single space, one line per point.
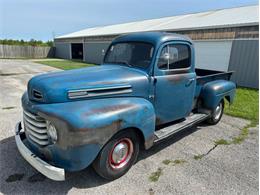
31 42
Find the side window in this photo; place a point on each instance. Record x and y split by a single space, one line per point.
174 56
164 58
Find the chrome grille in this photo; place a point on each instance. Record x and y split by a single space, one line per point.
35 128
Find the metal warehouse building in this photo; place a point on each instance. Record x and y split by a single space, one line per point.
224 40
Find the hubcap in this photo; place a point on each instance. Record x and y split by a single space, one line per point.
121 153
217 112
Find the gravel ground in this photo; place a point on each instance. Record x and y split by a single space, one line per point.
226 169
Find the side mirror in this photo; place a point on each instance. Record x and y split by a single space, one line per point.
103 52
172 56
165 57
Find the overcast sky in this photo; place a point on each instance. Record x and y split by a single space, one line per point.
43 19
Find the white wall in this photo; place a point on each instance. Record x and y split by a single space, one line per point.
213 55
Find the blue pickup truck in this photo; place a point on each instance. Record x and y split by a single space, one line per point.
146 90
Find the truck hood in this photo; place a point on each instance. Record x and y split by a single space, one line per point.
94 82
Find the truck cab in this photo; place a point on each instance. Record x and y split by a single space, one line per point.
146 90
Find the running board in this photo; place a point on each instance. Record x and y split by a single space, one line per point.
188 122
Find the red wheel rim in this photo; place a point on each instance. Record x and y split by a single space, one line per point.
121 153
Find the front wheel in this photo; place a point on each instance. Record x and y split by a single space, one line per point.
118 155
216 114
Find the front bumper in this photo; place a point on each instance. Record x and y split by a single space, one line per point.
52 172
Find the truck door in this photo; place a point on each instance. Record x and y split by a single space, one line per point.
174 82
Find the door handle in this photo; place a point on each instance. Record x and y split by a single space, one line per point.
190 81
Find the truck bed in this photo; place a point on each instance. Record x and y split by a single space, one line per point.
205 76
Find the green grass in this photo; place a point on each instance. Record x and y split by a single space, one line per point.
65 64
174 162
246 105
154 177
166 161
222 142
198 157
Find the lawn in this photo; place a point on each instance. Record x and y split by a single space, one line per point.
65 64
245 105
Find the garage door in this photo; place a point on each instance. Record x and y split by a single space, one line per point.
212 55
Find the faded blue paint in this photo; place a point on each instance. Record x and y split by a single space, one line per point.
213 92
88 124
71 159
55 86
84 125
174 89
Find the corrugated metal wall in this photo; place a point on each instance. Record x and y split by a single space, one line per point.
93 51
244 60
62 50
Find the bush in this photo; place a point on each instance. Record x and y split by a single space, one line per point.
21 42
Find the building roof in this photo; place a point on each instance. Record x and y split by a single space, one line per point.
233 17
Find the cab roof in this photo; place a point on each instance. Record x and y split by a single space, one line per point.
156 38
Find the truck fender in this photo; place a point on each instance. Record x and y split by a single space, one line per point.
96 121
213 92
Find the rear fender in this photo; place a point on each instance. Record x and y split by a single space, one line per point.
213 92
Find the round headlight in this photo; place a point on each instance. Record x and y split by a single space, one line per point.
51 130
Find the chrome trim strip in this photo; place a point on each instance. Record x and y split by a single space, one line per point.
37 141
37 135
52 172
36 124
37 118
72 94
38 130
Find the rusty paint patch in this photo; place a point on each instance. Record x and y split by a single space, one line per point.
175 72
149 142
95 135
72 136
158 121
109 109
176 78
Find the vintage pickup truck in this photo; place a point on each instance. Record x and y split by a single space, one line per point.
146 90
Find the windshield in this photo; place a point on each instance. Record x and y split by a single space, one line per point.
136 54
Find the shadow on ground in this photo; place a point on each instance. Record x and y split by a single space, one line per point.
17 176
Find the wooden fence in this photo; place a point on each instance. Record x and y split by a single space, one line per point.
17 51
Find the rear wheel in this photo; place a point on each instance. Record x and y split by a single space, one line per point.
216 114
118 155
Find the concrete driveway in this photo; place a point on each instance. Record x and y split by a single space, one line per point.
225 169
